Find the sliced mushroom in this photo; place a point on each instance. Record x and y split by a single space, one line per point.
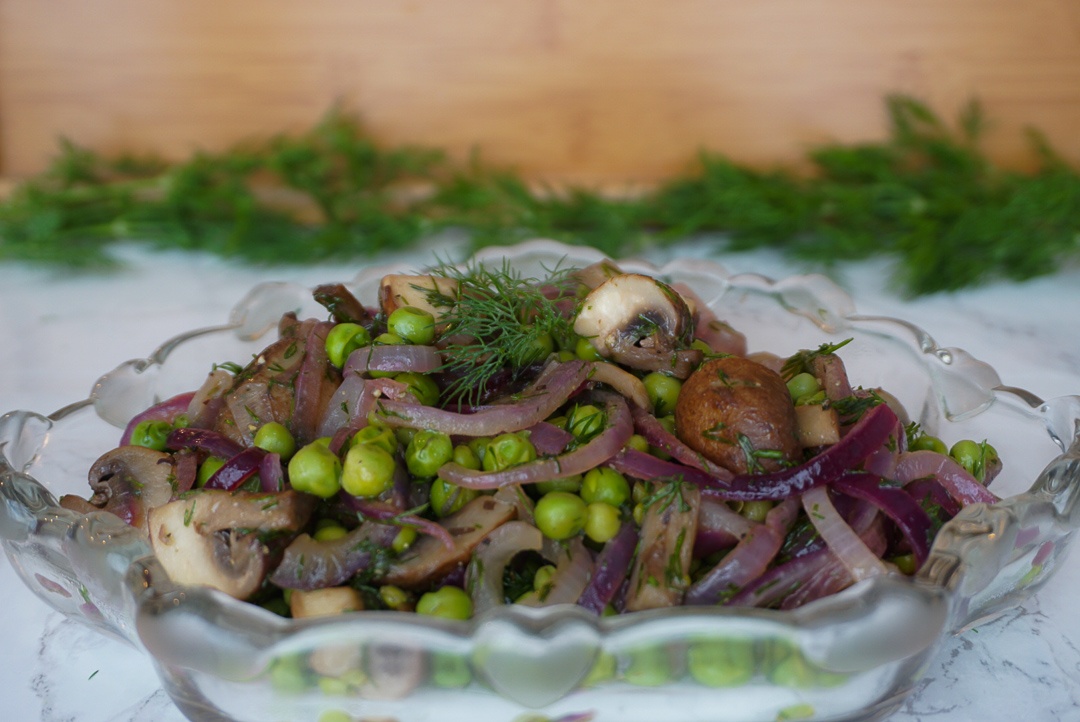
430 558
130 480
639 322
343 306
660 574
213 538
331 660
434 294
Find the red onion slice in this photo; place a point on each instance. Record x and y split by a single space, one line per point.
538 402
598 450
484 576
866 436
748 560
397 357
960 484
655 433
573 568
212 442
841 539
237 470
167 410
610 571
908 515
391 515
309 383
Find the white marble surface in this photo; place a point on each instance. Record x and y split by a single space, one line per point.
62 331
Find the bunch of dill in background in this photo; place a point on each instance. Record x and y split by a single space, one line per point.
926 196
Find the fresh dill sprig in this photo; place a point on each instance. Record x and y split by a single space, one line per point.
507 322
801 361
926 196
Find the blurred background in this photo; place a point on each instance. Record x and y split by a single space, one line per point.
596 92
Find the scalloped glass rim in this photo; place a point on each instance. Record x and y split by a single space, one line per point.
866 646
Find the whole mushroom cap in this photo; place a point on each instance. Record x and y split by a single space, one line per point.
635 319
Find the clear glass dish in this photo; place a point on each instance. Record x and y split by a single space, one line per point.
854 655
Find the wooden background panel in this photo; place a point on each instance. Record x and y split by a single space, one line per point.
604 90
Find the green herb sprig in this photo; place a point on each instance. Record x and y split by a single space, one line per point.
507 320
925 196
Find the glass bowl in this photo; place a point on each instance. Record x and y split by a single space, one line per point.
854 655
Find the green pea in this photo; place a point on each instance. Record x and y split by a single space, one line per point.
388 339
560 515
586 351
276 439
905 563
421 386
541 347
207 469
448 602
602 522
974 456
543 579
336 715
649 667
571 484
415 325
756 510
565 356
329 530
368 471
479 446
803 386
507 450
403 539
721 662
604 484
276 605
343 339
394 597
446 498
663 391
638 443
698 345
427 452
585 421
376 435
449 671
604 668
926 442
316 470
465 456
151 434
288 674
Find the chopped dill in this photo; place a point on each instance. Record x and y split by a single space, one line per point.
508 323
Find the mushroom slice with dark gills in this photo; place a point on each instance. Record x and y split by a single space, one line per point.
739 414
639 322
215 538
129 481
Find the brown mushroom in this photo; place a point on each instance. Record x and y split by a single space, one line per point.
738 414
660 574
131 480
214 537
639 322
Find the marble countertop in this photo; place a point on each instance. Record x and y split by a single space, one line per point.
63 330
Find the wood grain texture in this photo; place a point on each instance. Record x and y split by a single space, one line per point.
605 90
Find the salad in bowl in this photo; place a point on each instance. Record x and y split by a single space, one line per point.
542 481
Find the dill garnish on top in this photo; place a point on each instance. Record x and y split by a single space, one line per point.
500 323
